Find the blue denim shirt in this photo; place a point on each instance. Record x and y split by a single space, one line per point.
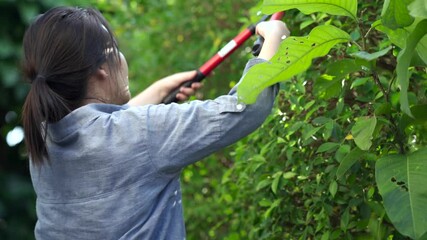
114 170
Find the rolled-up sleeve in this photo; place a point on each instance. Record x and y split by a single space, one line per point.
180 134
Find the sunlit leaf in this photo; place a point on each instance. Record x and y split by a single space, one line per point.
333 7
289 175
400 180
362 132
294 56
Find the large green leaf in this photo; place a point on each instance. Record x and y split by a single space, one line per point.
399 36
419 113
362 132
293 57
395 14
403 63
401 182
418 8
333 7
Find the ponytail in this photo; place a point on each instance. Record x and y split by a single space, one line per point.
42 106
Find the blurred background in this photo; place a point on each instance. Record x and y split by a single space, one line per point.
158 38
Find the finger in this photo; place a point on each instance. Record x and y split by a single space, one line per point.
187 91
259 28
184 76
196 85
181 97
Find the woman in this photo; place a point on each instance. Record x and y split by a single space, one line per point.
105 166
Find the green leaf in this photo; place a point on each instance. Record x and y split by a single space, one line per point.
359 82
403 62
362 132
399 36
401 182
422 44
345 218
294 56
329 85
418 8
309 132
395 14
396 36
276 180
333 188
419 113
333 7
371 56
348 161
272 207
329 146
383 109
289 175
262 184
265 203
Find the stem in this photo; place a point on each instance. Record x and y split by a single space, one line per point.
399 134
360 47
378 83
362 34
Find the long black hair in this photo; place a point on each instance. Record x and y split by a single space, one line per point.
62 49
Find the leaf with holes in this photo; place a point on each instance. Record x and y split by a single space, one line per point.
333 7
400 180
294 56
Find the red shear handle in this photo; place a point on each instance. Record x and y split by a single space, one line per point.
212 63
219 57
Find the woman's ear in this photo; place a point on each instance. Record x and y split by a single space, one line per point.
102 72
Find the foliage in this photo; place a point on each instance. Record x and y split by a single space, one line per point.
334 130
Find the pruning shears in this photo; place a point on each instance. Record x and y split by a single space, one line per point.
223 53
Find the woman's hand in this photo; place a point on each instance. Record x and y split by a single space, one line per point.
155 93
170 83
273 33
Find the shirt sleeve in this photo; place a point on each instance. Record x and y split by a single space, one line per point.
180 134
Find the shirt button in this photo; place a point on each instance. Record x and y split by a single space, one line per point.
239 106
